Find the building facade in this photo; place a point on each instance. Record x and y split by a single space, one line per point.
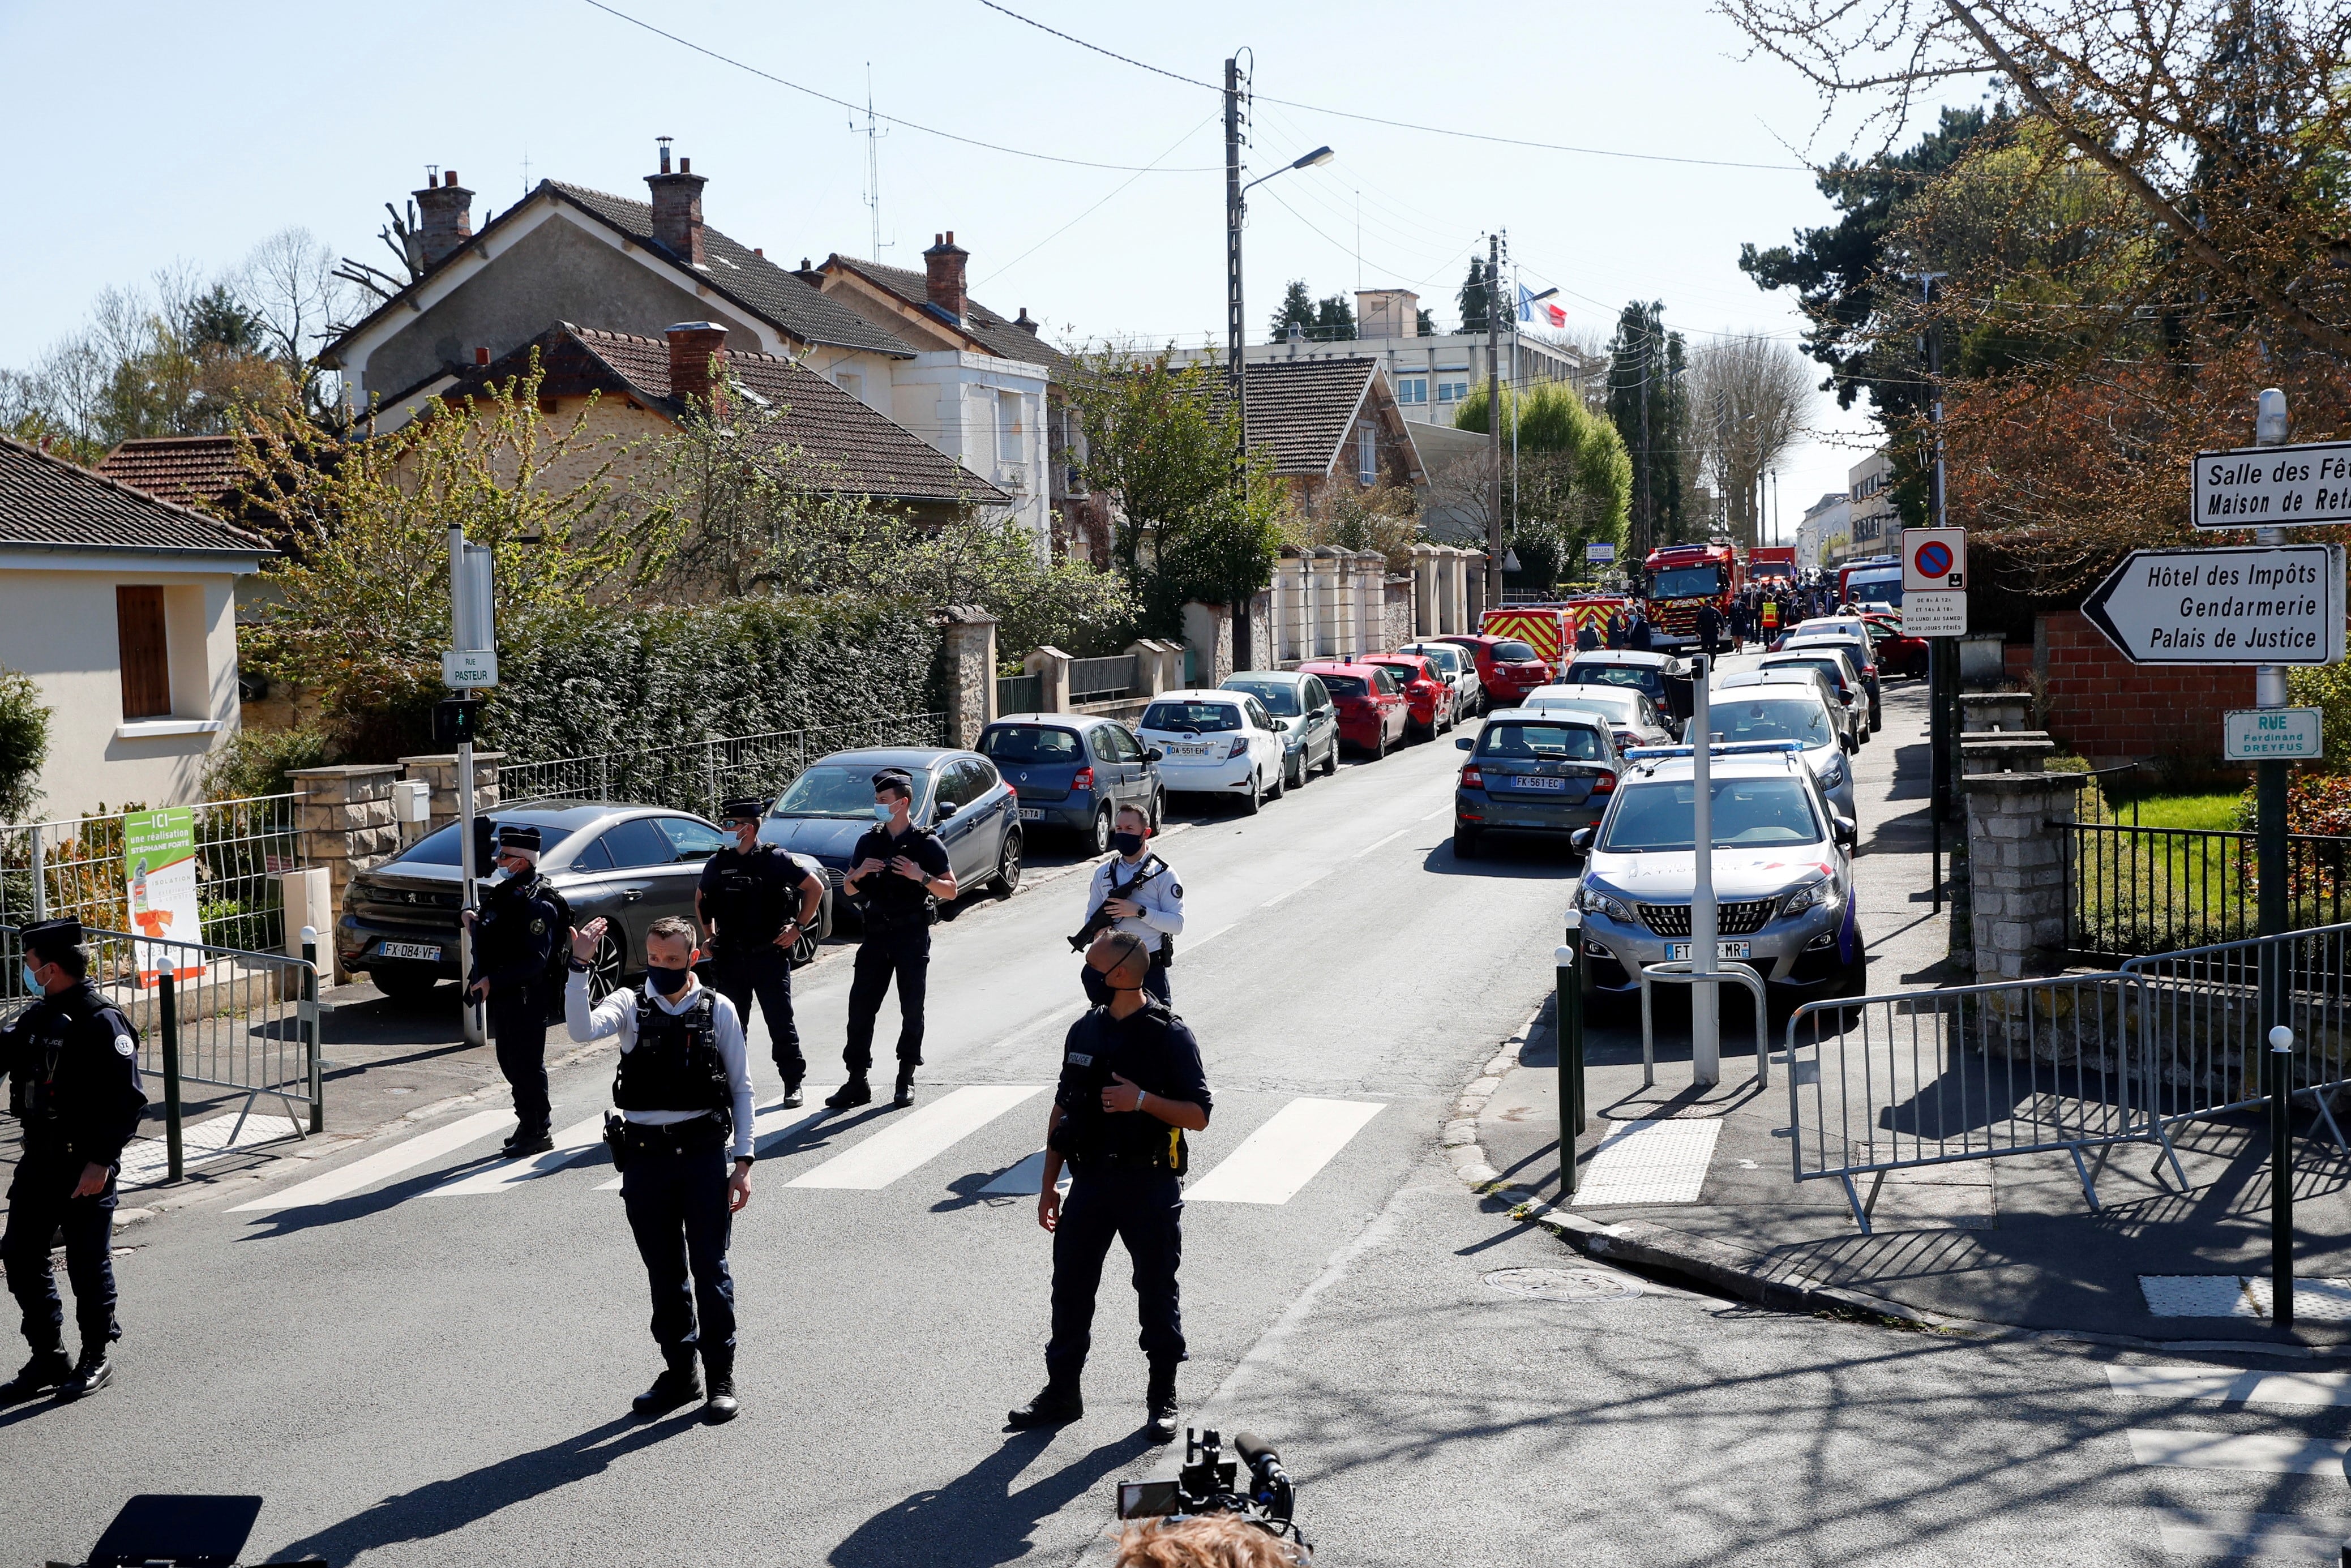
1826 532
1871 519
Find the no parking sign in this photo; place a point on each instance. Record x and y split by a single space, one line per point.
1934 558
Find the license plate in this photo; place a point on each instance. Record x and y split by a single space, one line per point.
1538 781
424 950
1675 951
1188 748
1032 813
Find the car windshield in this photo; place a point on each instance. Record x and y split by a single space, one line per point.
440 847
1343 685
1182 717
1031 743
1844 643
1832 668
1615 706
840 789
1748 813
1447 660
1280 698
1639 679
1541 742
1774 718
1510 651
1686 582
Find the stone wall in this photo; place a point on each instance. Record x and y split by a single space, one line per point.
440 772
968 652
2016 865
344 815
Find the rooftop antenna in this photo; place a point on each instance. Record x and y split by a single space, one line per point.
872 132
526 168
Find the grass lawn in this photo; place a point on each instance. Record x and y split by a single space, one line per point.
2209 812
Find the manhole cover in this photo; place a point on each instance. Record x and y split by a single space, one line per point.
1565 1284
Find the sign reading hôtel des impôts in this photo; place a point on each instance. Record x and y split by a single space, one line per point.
2273 487
2263 604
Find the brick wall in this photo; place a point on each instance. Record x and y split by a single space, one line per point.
2104 707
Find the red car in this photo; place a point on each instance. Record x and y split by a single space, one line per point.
1507 669
1371 703
1426 697
1896 654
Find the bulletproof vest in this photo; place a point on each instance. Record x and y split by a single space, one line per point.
751 901
49 1080
674 1065
1089 1135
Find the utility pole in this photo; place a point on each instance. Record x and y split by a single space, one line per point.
1946 793
1234 335
1494 418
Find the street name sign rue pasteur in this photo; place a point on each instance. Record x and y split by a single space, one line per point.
2273 487
2270 604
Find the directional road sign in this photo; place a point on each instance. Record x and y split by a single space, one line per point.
1933 559
2274 487
2278 605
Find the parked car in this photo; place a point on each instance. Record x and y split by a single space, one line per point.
1633 718
1665 678
1532 772
1859 651
1507 669
1898 653
1838 665
1844 716
1308 717
958 794
626 864
1073 771
1214 743
1370 699
1427 697
1460 669
1765 709
1783 877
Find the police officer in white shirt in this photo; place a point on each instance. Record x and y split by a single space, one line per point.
1141 890
683 1087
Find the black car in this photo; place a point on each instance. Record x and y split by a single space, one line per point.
628 864
958 793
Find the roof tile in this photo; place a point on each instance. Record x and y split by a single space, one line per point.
999 336
185 470
45 501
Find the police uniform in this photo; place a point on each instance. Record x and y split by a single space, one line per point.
684 1087
749 899
1126 1172
73 1068
1152 883
514 934
898 913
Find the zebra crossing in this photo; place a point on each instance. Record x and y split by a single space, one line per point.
1272 1163
2209 1533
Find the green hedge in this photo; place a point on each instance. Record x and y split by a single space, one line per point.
629 679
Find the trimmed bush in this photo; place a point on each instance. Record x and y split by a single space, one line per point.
24 745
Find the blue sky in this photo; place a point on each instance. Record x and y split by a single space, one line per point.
149 133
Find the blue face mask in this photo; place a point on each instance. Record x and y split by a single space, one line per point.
31 984
881 811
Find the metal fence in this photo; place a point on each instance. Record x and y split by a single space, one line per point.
2201 1015
74 866
1101 680
211 1017
699 775
1019 693
2133 890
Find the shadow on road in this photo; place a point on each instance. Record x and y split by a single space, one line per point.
975 1521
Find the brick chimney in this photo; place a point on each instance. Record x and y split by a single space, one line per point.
677 208
444 218
697 363
943 276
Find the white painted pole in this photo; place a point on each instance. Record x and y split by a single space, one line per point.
461 614
1706 1019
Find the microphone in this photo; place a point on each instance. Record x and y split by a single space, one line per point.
1260 1457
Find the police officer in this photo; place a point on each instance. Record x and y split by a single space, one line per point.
754 901
897 873
1132 1086
73 1070
1138 888
1709 628
685 1092
514 934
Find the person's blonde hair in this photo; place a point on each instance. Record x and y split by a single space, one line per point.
1212 1540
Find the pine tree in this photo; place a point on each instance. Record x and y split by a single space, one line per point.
1334 320
1472 297
1297 306
1649 406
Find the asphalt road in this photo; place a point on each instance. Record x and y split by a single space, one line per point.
413 1377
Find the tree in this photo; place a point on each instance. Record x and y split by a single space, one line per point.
1472 297
1425 324
1572 484
1649 406
1296 310
1750 397
1334 320
24 745
1343 515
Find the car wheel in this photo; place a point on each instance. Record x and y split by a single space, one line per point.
1158 807
1465 842
1007 866
1330 759
1281 781
1100 837
1251 799
605 970
1380 743
402 982
803 951
1292 777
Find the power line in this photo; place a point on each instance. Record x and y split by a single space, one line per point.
1082 218
893 119
1400 124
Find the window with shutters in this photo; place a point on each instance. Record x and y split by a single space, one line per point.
146 665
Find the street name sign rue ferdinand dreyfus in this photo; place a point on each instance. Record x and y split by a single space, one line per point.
2275 604
2273 487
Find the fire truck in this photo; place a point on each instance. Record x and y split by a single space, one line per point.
1683 577
1550 629
1772 566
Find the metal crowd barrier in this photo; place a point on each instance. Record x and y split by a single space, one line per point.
213 1017
1884 1084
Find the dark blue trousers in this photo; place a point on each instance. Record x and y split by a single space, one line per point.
518 1030
40 1203
673 1185
902 952
1143 1208
764 974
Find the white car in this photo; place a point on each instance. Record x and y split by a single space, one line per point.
1460 672
1215 742
1632 718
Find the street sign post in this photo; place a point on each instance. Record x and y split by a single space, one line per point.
1934 612
1933 559
2272 735
1600 552
472 670
2261 604
2273 487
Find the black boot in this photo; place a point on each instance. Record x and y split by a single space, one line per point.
906 1095
1160 1404
523 1144
1057 1405
676 1386
721 1404
92 1372
856 1092
46 1371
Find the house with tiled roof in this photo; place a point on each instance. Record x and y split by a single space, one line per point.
199 471
1328 420
123 609
566 252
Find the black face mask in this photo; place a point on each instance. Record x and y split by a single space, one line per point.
1126 843
666 980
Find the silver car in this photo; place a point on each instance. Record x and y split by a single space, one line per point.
1633 720
1766 709
1783 877
1838 667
